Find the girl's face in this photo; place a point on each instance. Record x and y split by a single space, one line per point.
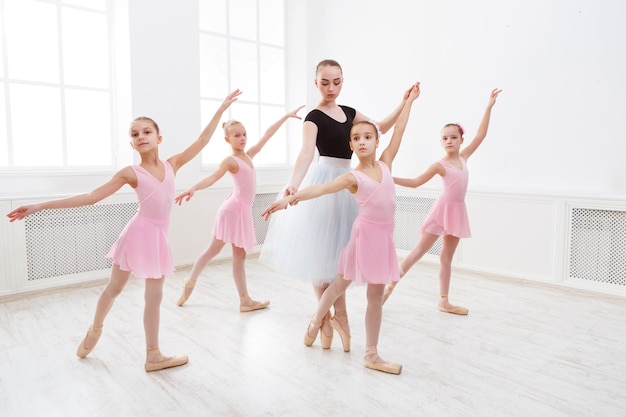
451 139
237 136
144 136
329 81
363 140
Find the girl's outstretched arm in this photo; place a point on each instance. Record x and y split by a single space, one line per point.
391 150
228 164
344 181
271 131
122 177
194 149
423 178
482 128
385 124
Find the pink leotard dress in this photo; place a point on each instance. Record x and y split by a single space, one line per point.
370 255
142 246
233 223
448 215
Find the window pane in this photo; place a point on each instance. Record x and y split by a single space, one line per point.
244 69
4 141
36 126
217 149
242 19
272 75
32 26
1 55
213 67
272 26
85 48
213 15
275 150
90 4
88 128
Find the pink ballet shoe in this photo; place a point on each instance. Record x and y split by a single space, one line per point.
340 323
326 332
308 338
94 334
163 362
187 290
375 362
247 304
446 307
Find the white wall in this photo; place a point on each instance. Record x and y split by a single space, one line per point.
557 127
556 130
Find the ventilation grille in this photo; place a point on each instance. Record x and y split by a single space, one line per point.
411 212
69 241
261 201
598 246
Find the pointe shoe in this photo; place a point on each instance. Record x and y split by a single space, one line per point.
326 332
388 290
165 362
93 333
256 305
189 285
343 333
449 308
383 366
308 339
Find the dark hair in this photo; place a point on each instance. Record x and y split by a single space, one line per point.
327 63
156 126
458 126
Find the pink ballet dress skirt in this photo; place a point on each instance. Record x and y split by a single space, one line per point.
370 255
448 215
142 246
233 223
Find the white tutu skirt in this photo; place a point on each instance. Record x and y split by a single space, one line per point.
305 240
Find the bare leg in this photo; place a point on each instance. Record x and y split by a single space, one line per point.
114 287
151 318
374 313
373 320
201 262
246 303
424 244
450 243
330 295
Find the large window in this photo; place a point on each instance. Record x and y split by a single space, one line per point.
55 81
242 45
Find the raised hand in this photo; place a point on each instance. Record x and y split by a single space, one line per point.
494 96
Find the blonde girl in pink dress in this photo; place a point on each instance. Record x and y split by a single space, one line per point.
233 223
448 215
370 255
142 247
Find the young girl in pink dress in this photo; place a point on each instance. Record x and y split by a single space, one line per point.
370 255
142 247
233 223
448 215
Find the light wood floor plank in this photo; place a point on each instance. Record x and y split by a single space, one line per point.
525 349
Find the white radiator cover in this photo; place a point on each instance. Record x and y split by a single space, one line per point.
571 242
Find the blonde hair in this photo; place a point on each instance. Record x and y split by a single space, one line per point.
226 125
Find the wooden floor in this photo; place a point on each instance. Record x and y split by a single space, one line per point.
524 350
